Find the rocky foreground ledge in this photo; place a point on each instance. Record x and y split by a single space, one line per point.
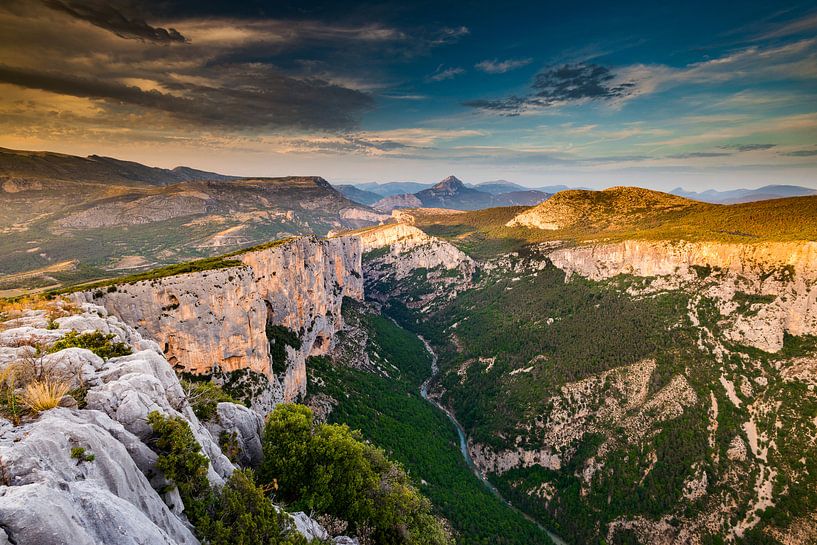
83 472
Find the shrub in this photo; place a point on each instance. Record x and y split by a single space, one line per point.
43 395
81 455
328 469
240 513
204 397
97 342
8 398
181 461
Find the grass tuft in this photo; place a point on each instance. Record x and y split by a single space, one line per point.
43 395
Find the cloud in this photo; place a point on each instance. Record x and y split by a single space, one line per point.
801 153
805 24
583 82
500 67
448 35
698 155
565 84
257 97
748 147
444 74
104 15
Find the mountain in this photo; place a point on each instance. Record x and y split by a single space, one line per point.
746 195
503 186
18 168
610 209
452 193
498 186
358 195
124 216
393 188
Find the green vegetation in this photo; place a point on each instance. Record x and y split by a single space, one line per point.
81 455
320 468
239 513
204 396
527 318
390 412
198 265
99 343
279 338
328 469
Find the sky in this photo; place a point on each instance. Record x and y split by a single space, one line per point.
697 94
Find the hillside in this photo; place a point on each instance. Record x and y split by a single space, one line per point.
19 168
642 392
621 214
124 216
609 210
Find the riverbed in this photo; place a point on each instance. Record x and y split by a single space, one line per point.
464 444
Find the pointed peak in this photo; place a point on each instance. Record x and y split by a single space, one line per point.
451 183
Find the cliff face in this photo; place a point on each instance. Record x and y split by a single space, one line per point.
763 290
218 318
398 252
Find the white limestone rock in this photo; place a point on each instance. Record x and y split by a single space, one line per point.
52 498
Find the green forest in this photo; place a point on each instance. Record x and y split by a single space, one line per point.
390 412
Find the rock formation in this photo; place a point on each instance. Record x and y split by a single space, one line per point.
49 497
774 280
217 319
397 251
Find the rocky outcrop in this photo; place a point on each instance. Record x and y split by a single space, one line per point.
112 491
395 253
763 290
217 319
408 248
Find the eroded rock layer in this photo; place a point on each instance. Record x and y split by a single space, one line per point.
776 279
218 319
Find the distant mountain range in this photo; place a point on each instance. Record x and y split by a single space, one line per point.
449 193
365 191
735 196
66 219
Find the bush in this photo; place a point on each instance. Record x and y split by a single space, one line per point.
81 455
97 342
204 397
181 461
239 513
329 469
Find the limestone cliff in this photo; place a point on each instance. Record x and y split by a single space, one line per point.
218 318
396 252
763 290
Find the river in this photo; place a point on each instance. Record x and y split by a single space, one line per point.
464 444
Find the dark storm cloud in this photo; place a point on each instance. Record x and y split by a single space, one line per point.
568 83
257 97
748 147
104 15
